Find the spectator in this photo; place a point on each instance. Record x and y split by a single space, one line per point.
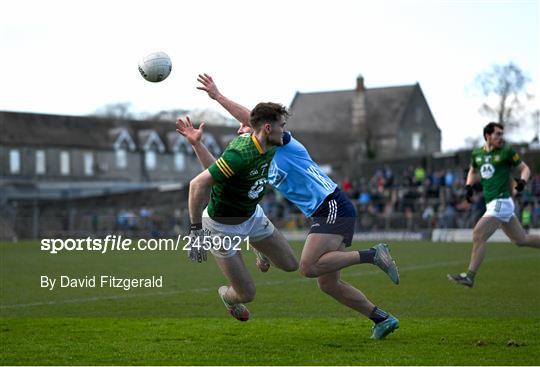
388 177
346 186
449 178
365 197
526 217
419 175
429 216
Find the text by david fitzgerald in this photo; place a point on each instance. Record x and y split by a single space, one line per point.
101 281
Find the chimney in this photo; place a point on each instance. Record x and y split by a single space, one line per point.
360 83
359 106
359 126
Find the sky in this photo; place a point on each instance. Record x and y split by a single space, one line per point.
73 57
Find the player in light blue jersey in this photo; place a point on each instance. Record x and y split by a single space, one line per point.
298 178
294 174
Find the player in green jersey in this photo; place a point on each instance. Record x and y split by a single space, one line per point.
494 163
324 254
235 183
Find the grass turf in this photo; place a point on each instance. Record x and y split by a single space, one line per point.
497 322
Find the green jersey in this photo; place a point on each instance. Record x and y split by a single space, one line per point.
240 177
495 169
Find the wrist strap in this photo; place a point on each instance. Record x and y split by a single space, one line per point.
195 226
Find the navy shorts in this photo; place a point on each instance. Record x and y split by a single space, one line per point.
336 215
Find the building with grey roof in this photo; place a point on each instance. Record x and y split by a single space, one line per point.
345 127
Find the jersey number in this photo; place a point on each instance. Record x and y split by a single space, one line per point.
257 188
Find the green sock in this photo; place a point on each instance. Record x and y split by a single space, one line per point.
471 274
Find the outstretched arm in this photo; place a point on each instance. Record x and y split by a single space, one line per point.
194 136
199 191
238 111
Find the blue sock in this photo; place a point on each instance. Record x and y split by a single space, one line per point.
366 256
378 315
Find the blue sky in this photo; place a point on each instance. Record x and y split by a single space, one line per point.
73 57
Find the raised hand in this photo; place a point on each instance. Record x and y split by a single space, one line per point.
186 129
208 86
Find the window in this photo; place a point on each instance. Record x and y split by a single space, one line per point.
64 163
40 162
88 164
121 158
150 160
179 161
14 161
416 141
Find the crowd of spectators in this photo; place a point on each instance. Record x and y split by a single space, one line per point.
414 199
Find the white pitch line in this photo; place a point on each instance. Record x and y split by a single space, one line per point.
267 283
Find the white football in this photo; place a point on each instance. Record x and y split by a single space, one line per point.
155 67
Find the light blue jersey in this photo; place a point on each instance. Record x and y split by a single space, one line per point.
301 180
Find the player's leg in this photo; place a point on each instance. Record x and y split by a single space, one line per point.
320 255
231 264
332 222
266 239
353 298
482 231
277 249
333 225
517 234
241 289
345 293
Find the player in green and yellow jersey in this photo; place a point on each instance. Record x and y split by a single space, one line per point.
494 162
235 183
324 255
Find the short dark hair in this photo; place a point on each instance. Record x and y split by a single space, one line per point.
490 128
267 112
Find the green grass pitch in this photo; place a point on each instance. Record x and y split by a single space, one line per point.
292 323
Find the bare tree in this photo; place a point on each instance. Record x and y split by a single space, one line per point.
507 84
536 124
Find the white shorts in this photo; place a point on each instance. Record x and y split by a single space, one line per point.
502 209
257 227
